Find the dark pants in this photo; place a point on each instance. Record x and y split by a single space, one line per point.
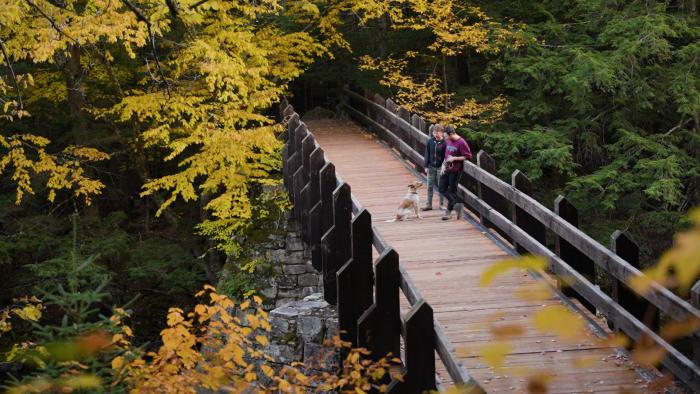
448 188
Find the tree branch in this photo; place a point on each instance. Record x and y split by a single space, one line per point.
142 17
12 73
139 15
173 7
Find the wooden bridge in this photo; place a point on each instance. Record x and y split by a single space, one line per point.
427 305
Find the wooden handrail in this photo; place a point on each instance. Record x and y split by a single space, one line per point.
622 270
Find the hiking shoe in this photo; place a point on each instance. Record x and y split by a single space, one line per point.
447 214
427 208
459 208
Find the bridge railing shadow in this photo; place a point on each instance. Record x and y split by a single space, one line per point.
524 222
341 237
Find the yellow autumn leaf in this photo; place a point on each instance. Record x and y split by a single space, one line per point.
533 263
507 330
538 383
678 329
583 362
267 370
284 386
28 312
494 354
117 362
82 382
614 340
559 320
650 354
301 378
537 291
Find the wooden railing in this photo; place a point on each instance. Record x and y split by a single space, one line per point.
524 222
340 235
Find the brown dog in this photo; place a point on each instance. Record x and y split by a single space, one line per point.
410 203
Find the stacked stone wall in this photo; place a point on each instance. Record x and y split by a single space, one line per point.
295 277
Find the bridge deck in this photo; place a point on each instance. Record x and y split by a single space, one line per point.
446 260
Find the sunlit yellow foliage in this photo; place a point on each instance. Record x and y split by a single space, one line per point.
494 353
68 384
215 348
207 114
459 26
24 156
532 263
679 267
559 320
200 98
25 308
428 98
456 27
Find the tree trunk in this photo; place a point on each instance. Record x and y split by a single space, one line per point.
73 72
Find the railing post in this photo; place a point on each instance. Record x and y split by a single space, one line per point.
323 214
337 241
419 123
308 145
285 112
355 279
392 124
381 101
298 174
643 310
420 352
572 256
495 200
379 328
312 198
695 300
291 150
523 219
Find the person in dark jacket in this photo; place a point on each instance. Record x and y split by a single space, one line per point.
432 161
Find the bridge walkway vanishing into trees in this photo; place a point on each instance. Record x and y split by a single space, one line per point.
412 287
446 260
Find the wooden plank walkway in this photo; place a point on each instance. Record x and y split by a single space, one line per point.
446 260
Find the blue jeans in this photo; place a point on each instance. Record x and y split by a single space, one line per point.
433 176
448 188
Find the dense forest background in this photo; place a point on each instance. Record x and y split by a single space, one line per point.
595 99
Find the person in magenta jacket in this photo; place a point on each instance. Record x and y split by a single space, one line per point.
456 152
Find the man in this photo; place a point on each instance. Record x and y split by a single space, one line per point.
432 161
456 152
